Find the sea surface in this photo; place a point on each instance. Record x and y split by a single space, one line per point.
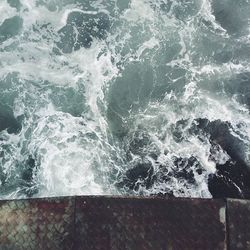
125 97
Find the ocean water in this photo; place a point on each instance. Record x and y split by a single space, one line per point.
125 97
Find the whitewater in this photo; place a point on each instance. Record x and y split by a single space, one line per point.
124 97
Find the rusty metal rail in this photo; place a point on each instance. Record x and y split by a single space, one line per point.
115 223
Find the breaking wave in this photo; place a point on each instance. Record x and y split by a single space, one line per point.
125 97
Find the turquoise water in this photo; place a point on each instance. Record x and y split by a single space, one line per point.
124 97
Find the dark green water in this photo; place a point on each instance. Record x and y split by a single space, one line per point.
125 97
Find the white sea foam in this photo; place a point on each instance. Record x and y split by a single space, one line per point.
82 152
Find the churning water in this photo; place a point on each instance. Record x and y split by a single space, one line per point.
125 97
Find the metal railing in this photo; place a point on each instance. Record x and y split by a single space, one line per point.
124 223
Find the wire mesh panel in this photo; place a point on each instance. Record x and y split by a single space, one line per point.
238 212
37 224
117 224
